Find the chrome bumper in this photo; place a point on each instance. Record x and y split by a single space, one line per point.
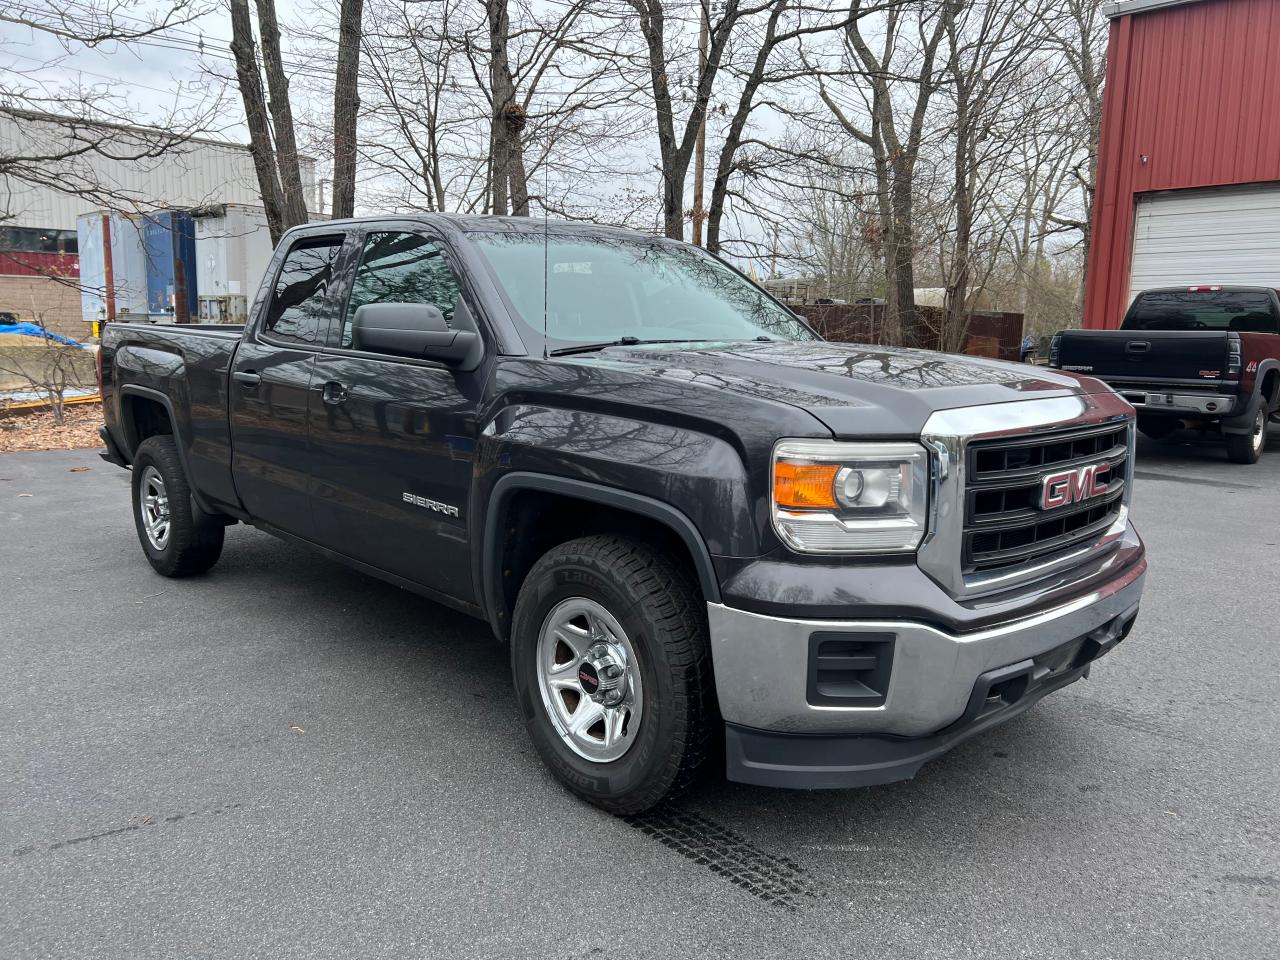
1191 403
761 663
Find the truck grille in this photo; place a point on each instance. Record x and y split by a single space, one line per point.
1004 524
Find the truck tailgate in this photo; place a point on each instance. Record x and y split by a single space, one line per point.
1145 354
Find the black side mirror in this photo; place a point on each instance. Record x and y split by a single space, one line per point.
414 330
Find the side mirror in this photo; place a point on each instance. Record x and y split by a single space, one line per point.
414 330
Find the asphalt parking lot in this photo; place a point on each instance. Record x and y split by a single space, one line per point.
288 759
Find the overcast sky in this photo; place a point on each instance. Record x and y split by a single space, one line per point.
154 76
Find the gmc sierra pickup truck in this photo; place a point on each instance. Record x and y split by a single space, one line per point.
1203 356
701 529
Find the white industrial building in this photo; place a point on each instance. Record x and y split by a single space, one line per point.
38 222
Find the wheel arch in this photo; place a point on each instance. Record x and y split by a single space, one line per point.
529 513
146 413
1269 383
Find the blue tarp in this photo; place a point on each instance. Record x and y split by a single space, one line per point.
35 330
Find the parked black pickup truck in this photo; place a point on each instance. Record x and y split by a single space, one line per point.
697 524
1203 356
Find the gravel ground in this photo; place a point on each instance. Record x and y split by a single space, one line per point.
287 759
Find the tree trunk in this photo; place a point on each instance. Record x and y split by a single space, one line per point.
249 79
955 310
346 107
509 184
891 319
516 175
676 154
904 270
733 137
294 207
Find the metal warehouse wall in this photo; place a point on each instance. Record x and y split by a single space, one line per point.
197 173
1192 100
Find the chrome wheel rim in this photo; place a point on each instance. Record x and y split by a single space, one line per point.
153 503
589 678
1260 429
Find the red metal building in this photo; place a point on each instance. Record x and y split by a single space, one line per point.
1188 184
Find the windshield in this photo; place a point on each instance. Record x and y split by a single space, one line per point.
606 288
1202 310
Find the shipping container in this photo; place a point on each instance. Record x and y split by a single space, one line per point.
233 246
113 267
169 242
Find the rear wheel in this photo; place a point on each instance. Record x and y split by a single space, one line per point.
1247 447
177 537
612 671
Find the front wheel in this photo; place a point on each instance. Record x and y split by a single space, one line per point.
178 539
612 672
1247 447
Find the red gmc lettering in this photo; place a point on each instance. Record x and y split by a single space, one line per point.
1072 486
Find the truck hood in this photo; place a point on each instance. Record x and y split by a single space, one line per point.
853 389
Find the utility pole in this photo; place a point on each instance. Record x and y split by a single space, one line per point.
700 151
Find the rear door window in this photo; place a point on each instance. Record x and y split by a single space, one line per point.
301 303
1246 311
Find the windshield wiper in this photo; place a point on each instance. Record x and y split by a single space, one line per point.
620 342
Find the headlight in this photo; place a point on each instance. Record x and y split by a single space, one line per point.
1055 350
834 497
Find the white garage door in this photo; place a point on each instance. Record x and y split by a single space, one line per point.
1224 235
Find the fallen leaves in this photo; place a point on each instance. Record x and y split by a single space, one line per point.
35 430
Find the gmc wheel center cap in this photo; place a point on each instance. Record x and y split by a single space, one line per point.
589 677
601 674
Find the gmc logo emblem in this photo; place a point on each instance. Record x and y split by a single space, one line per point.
1072 486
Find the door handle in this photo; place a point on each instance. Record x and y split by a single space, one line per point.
334 392
1138 346
246 378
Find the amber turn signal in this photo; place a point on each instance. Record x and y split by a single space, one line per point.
804 485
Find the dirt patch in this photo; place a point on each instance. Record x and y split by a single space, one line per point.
35 429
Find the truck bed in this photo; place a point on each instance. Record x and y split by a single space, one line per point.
182 370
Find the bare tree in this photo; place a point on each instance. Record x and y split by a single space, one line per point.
418 122
346 108
47 367
1080 35
492 107
675 150
807 21
507 177
987 48
903 75
272 139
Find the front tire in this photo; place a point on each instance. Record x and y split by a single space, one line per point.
1248 447
178 539
612 671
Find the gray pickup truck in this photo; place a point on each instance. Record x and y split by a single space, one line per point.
700 529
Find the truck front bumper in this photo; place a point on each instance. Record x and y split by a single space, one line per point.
785 727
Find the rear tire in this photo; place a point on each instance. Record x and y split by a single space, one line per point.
1248 447
606 606
178 538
